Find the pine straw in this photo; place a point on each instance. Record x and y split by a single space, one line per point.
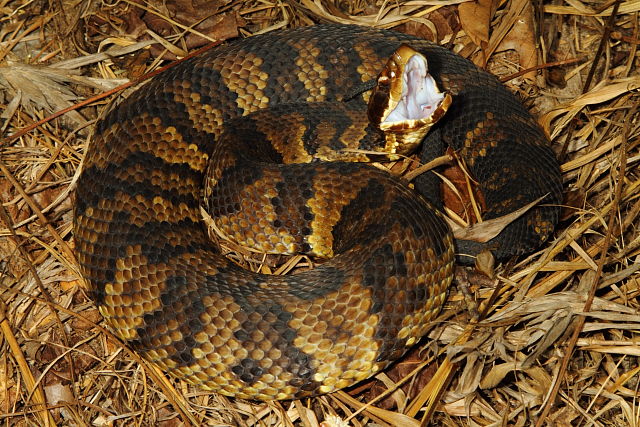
552 339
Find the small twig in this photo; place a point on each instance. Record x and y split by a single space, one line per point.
541 67
438 161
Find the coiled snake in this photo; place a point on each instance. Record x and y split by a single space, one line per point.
297 97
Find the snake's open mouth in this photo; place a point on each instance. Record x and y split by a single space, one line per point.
406 101
419 97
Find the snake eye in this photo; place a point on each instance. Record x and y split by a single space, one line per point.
384 80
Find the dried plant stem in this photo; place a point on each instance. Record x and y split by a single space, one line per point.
33 389
622 161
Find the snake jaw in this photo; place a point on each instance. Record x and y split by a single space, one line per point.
416 95
406 102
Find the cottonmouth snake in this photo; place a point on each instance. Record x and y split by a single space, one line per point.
169 294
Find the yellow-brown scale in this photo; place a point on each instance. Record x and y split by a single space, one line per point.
166 291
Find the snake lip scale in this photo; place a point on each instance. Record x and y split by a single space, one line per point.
268 129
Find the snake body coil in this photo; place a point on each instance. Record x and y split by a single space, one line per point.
167 292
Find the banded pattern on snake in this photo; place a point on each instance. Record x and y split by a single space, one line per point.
169 293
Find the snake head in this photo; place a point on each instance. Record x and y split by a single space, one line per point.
406 101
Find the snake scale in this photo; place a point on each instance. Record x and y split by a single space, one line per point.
170 294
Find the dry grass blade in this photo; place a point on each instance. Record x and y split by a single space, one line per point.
391 418
388 15
602 260
41 88
602 92
487 230
35 396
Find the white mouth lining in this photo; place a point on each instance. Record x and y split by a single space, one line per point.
420 94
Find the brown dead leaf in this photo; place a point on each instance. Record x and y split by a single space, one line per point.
439 25
458 199
604 91
84 356
460 408
218 28
10 256
553 336
475 17
137 64
167 418
521 38
200 21
574 199
471 374
92 315
134 25
397 372
486 263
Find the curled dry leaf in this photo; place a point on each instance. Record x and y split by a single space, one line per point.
487 230
559 328
471 374
485 263
460 407
496 374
